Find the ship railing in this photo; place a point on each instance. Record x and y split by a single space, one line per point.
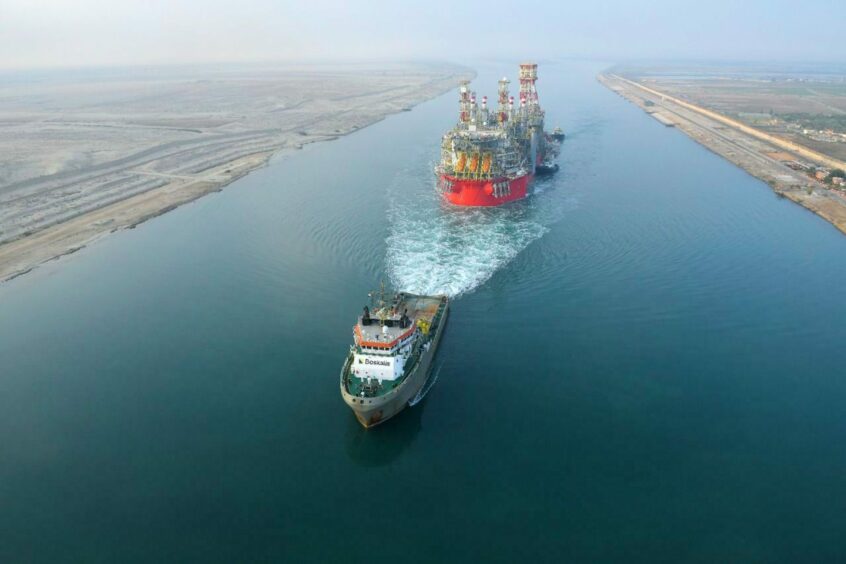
347 372
500 164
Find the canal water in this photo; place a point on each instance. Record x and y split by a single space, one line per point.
645 362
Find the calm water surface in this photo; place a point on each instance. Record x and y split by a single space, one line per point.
645 362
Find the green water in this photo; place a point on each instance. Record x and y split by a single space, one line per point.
644 362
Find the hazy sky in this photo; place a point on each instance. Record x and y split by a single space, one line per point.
51 33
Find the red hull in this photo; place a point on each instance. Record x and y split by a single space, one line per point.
464 192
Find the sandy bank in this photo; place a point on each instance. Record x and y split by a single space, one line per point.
84 158
23 254
761 154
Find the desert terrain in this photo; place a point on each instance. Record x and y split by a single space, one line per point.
803 103
717 113
765 156
89 152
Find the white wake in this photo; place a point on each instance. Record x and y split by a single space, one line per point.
426 387
436 248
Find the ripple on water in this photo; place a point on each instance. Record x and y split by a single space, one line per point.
433 247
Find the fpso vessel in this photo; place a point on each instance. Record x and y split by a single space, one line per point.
490 158
389 363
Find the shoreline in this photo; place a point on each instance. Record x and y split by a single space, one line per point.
743 146
23 253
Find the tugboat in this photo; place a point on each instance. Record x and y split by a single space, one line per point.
389 363
546 167
558 134
553 141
